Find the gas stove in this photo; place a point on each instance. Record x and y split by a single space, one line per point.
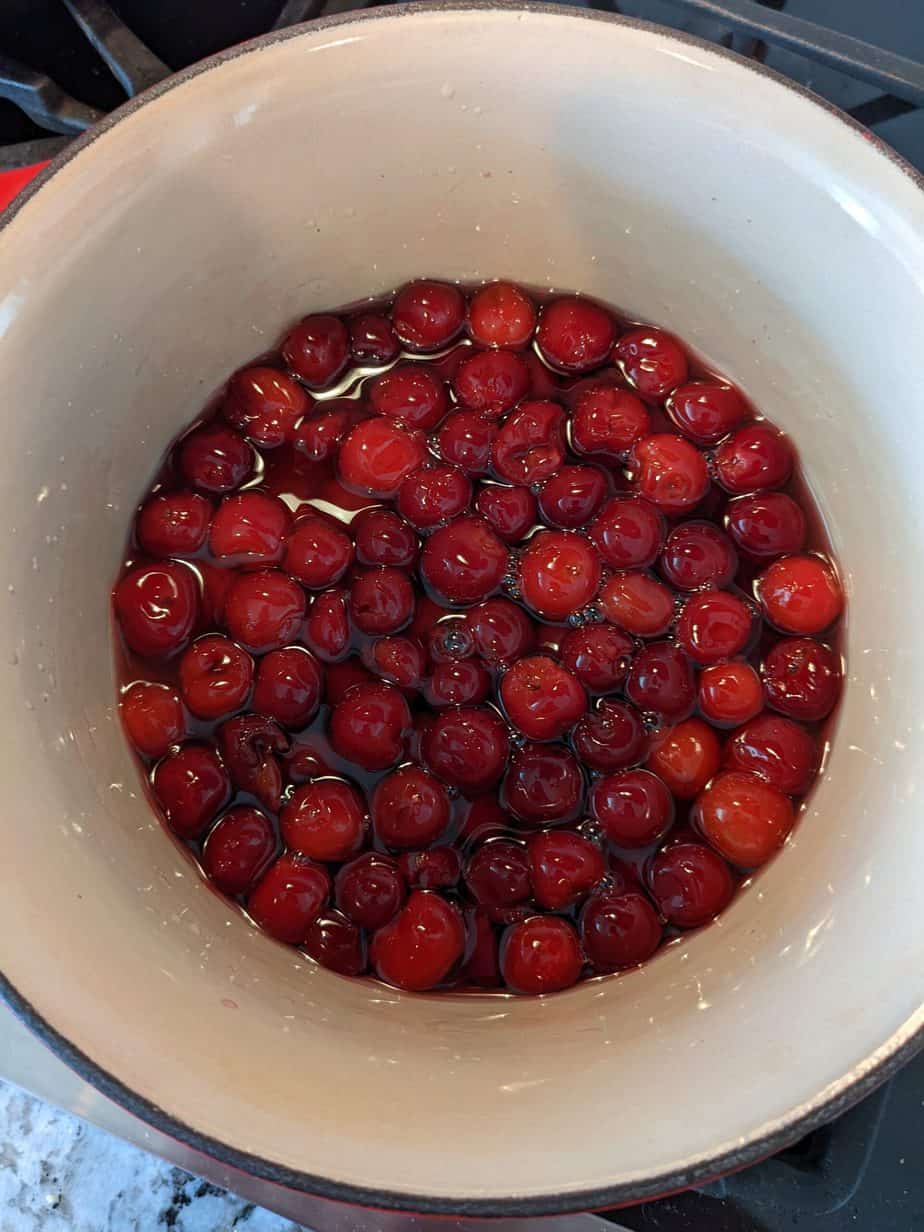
65 63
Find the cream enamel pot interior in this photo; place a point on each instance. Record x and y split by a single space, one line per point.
333 162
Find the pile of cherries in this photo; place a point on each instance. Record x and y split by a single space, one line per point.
473 641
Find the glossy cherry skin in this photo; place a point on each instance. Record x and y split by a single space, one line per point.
466 439
509 511
802 679
368 727
467 748
610 736
428 315
628 533
501 630
542 699
264 610
768 524
327 626
399 660
564 867
706 411
192 786
800 594
437 869
289 896
714 625
540 955
619 930
249 528
173 524
743 817
318 552
685 757
265 405
690 883
381 601
670 472
458 684
378 455
637 603
383 538
607 420
492 382
412 394
370 890
777 750
598 655
249 744
572 496
373 339
463 562
559 573
530 445
543 785
497 874
730 693
288 686
319 436
501 315
324 820
433 495
215 458
421 945
317 350
410 808
215 676
574 334
652 360
661 680
157 607
153 717
335 943
239 848
698 554
755 458
634 807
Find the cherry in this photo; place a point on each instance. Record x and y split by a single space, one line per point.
706 411
511 512
777 750
370 890
743 817
157 607
671 472
481 967
317 350
248 529
634 808
215 676
690 883
564 867
153 717
530 445
685 757
769 524
434 495
437 869
698 554
288 686
467 748
491 381
661 680
248 746
318 551
542 699
265 405
428 315
497 874
216 582
628 533
574 334
191 785
501 315
610 737
318 437
541 954
638 603
327 626
572 496
410 808
619 930
463 562
410 393
173 524
543 785
399 660
239 848
264 610
289 897
482 818
378 455
714 625
339 677
383 538
502 632
458 684
368 726
755 457
324 820
373 339
381 600
730 693
421 945
465 440
802 679
335 943
559 573
800 594
652 360
598 655
214 458
608 420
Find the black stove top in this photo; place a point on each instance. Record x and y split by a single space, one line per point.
65 62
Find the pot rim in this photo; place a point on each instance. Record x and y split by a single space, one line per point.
850 1089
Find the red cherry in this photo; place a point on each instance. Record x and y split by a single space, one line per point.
399 660
410 393
239 848
327 626
264 610
318 552
437 869
465 440
458 684
635 808
769 524
157 607
756 457
690 883
191 786
598 655
661 680
335 943
610 737
619 930
511 512
800 594
215 676
433 495
317 350
324 820
542 699
463 562
410 808
481 967
289 897
318 437
421 945
497 874
638 603
628 533
173 524
368 727
153 717
378 455
685 757
671 472
370 890
559 574
705 411
730 693
304 762
214 458
249 528
428 315
248 746
564 868
608 420
698 554
530 445
381 600
373 340
502 632
777 750
288 686
574 334
541 955
714 625
802 679
216 582
744 818
543 785
467 748
652 360
339 677
492 382
265 405
572 496
482 818
382 538
501 315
